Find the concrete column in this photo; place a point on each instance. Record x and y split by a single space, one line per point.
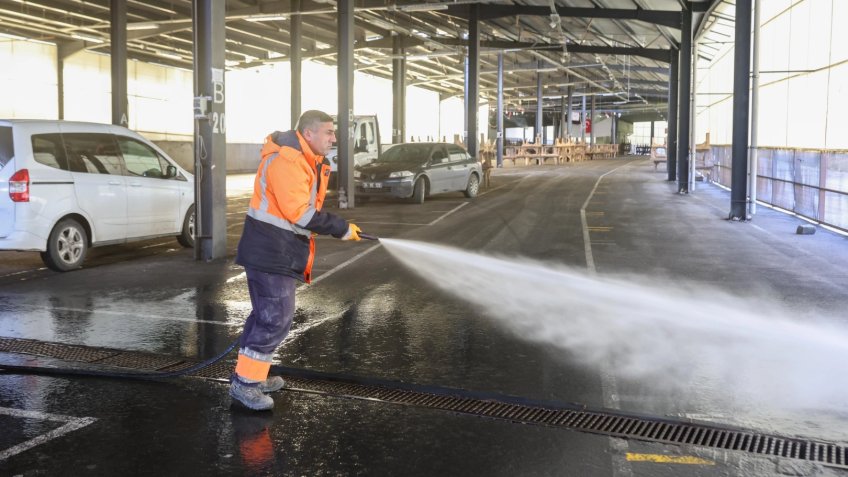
210 150
684 92
500 135
118 50
398 91
569 113
540 122
472 78
741 103
60 85
592 118
671 141
583 121
345 110
295 55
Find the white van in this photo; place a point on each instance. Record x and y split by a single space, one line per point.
67 186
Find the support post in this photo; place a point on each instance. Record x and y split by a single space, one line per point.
398 90
755 114
540 123
671 139
295 58
60 85
741 97
500 134
345 112
118 50
592 122
472 78
684 91
569 113
210 153
583 121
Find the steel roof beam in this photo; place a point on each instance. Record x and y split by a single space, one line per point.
668 18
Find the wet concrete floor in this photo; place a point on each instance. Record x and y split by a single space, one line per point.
374 318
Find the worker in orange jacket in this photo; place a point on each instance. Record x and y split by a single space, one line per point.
277 246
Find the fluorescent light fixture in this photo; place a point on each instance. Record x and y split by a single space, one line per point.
266 18
170 56
13 37
322 46
422 7
82 37
373 37
142 26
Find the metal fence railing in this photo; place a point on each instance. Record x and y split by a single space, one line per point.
811 183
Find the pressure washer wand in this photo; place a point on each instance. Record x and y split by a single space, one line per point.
368 236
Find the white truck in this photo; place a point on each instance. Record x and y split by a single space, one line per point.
366 144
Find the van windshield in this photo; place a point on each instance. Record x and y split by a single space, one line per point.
7 149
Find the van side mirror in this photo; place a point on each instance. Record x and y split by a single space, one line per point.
170 172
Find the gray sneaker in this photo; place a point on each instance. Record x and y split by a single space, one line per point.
250 397
273 383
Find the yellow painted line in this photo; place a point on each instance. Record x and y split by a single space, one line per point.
593 214
668 459
600 229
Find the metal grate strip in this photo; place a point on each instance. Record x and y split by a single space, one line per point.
621 425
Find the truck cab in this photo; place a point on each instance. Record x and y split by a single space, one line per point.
366 142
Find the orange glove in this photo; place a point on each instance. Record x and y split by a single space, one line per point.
352 233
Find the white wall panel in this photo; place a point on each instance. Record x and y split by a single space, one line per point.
837 121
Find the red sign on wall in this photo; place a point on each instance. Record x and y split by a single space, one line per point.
588 126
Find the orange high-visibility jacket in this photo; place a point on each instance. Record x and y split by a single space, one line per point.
285 209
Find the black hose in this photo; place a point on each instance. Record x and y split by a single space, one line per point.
17 369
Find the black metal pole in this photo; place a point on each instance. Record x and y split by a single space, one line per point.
118 50
345 112
295 55
472 78
683 104
398 90
741 100
671 141
500 134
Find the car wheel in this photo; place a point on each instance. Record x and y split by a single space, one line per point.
419 191
473 186
186 237
66 246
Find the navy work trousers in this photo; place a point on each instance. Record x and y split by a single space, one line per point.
272 297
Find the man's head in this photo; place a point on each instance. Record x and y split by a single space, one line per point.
317 129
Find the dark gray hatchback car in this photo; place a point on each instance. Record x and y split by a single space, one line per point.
418 170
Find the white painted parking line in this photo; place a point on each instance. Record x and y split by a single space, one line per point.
73 423
22 272
389 223
448 213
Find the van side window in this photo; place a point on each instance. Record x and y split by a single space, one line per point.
93 153
142 160
47 149
7 148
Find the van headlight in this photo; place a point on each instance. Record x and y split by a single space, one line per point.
401 174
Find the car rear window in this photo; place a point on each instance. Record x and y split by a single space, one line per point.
47 149
7 148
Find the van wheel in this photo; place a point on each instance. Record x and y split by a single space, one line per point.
66 246
419 191
473 186
186 237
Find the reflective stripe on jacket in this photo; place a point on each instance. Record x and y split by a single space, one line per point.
285 210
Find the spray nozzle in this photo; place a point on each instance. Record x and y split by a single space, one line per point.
368 236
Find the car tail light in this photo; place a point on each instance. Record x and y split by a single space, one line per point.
19 186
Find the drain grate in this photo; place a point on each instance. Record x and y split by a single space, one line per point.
628 426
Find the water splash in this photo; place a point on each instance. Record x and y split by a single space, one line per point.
666 332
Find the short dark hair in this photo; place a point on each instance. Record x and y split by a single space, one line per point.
310 118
